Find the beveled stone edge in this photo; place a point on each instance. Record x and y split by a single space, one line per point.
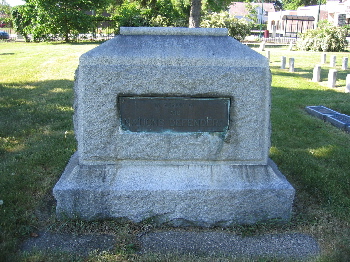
173 31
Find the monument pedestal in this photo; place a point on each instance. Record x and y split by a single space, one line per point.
202 195
173 124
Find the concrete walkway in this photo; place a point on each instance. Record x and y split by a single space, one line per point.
288 247
292 247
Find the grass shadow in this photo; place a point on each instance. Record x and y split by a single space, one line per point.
36 141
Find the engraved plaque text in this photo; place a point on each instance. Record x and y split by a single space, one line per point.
174 114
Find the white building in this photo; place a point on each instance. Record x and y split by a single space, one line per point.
290 23
240 10
338 12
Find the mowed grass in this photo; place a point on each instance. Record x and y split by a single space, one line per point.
37 139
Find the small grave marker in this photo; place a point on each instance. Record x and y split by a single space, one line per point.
320 111
291 65
345 63
347 87
283 62
316 77
323 58
332 78
262 46
333 61
291 45
341 121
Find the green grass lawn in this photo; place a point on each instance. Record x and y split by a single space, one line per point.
37 140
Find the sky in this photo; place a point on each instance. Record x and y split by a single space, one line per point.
15 2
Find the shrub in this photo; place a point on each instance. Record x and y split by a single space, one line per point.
237 28
325 38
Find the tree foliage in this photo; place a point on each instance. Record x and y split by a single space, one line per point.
65 19
55 18
294 4
5 14
237 28
326 38
164 12
156 13
23 16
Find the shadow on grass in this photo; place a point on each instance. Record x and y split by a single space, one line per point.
312 153
86 42
36 141
28 106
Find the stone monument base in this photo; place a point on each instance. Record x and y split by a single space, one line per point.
180 195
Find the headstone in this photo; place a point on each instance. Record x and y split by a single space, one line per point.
268 55
347 87
344 63
291 45
291 65
274 30
323 58
262 46
173 125
332 78
283 62
333 61
316 76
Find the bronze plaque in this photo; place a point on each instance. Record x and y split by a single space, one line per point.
174 114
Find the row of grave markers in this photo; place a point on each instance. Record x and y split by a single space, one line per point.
332 74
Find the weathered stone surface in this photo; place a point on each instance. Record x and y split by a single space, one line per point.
203 195
204 178
200 66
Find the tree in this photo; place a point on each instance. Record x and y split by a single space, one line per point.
150 13
252 13
294 4
165 12
195 14
63 18
237 28
325 38
5 14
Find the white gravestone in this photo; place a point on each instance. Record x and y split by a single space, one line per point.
291 65
262 46
333 61
344 63
323 58
347 87
332 78
283 62
268 55
316 76
173 124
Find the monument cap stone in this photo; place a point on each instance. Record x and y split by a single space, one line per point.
173 124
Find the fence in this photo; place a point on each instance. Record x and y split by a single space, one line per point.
101 30
280 40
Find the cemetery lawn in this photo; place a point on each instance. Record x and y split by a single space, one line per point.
37 140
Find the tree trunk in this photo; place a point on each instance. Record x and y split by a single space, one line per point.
195 14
